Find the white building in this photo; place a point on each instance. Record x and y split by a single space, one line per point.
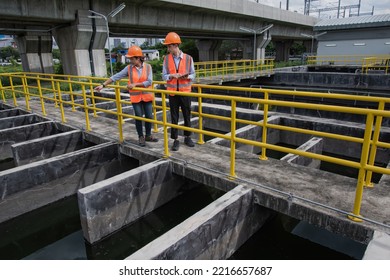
364 35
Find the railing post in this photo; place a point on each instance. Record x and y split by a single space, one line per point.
61 103
165 127
2 91
232 174
92 98
362 169
377 129
155 127
71 94
119 113
263 155
54 92
13 91
201 140
26 92
41 96
88 126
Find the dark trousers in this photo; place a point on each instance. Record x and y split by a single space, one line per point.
140 109
177 102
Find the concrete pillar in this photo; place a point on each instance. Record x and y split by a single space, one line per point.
208 49
75 43
283 50
99 38
262 44
247 49
36 52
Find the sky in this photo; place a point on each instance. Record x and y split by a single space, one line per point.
380 6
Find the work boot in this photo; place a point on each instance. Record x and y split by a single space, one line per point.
176 145
150 138
141 141
188 141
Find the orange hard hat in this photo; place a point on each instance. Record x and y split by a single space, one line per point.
134 51
172 38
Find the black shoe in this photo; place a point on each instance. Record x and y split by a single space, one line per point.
176 145
188 142
141 141
150 138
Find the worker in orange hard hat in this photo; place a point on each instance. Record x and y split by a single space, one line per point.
140 75
179 72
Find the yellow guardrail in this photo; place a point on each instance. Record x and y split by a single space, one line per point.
379 63
31 85
227 68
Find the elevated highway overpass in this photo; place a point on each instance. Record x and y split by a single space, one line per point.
82 39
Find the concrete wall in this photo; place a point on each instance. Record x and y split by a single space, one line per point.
112 204
213 233
47 147
55 178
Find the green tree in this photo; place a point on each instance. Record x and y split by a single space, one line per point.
8 53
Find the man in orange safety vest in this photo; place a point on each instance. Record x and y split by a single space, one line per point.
179 72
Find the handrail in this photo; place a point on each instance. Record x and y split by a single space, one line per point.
379 63
225 68
63 93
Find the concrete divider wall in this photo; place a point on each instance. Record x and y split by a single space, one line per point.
35 174
333 146
37 184
19 134
47 147
225 110
252 132
213 233
11 113
15 121
116 202
314 145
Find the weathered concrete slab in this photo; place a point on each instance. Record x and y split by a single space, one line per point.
47 147
379 247
19 134
21 120
11 113
251 132
314 145
213 233
33 185
333 146
116 202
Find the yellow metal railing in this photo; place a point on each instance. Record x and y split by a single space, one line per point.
63 92
380 64
223 69
372 62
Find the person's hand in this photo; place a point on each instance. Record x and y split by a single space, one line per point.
130 86
175 76
98 88
184 76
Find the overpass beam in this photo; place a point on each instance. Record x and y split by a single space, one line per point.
208 49
36 52
283 50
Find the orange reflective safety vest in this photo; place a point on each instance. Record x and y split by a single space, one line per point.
184 68
135 95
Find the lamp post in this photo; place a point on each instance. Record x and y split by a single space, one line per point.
312 39
256 31
110 14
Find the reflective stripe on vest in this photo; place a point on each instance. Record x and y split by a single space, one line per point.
135 95
184 68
